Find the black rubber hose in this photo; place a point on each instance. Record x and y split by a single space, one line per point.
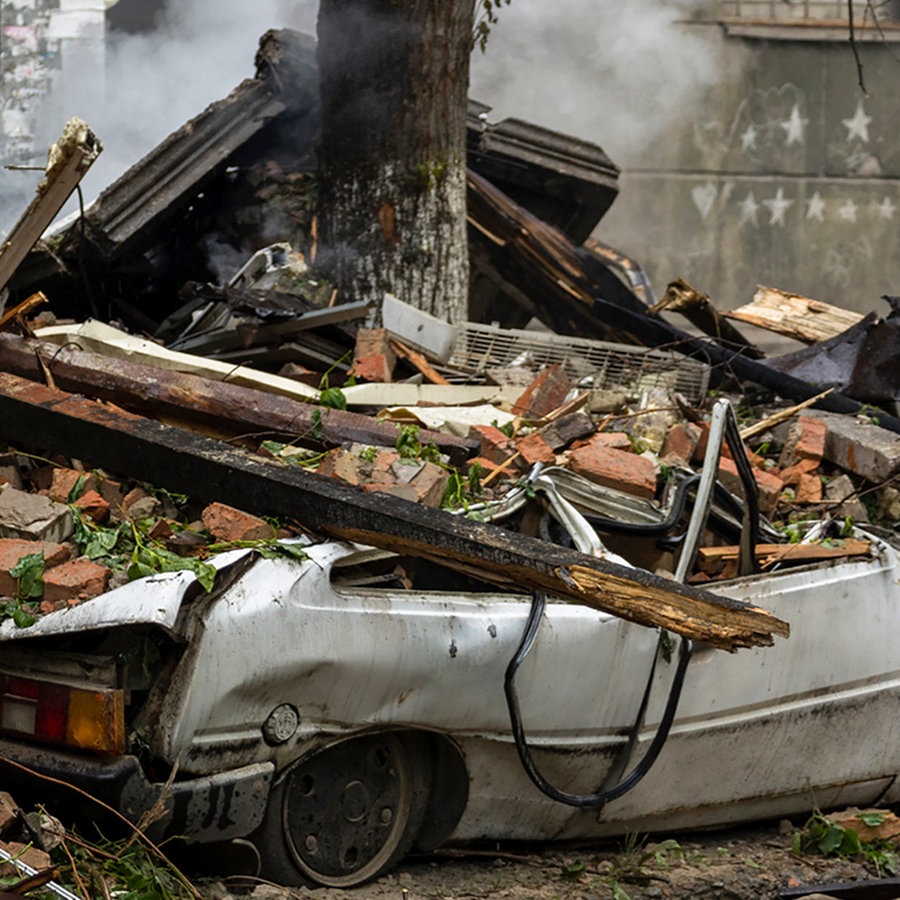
584 801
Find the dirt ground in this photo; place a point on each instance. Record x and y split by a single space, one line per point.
751 863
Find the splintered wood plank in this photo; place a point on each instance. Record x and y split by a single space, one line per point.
794 315
192 401
711 559
35 415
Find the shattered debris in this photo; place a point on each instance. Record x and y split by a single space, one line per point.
254 475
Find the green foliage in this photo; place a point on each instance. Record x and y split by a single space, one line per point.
408 444
29 575
485 17
822 837
368 454
316 425
131 869
129 546
509 429
268 549
333 398
77 488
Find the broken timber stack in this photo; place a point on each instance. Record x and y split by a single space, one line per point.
181 461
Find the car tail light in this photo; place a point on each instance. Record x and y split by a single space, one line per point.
83 717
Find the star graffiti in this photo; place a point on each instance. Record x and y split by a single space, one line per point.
794 126
847 211
748 138
749 209
815 207
858 124
777 207
886 208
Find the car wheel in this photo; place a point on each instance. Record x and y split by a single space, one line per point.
345 814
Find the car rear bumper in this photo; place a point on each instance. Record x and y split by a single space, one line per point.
208 808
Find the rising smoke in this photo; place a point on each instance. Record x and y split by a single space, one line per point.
612 73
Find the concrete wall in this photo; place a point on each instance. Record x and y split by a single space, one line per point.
785 174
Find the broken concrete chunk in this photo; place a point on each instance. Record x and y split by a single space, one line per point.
225 523
841 490
861 448
33 517
565 430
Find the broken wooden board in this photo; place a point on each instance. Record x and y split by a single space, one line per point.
68 162
33 415
228 409
794 315
711 559
700 311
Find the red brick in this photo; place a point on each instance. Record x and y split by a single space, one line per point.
78 579
547 392
614 468
402 491
13 549
495 445
8 813
681 443
805 440
430 483
93 506
615 440
795 473
534 449
296 372
809 489
341 464
769 486
64 480
225 523
373 359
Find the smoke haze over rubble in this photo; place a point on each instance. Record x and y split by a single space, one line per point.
610 73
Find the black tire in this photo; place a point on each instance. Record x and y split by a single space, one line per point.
346 813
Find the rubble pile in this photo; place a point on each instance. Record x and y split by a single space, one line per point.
246 344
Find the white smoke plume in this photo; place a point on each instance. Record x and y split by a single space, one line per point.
154 82
612 73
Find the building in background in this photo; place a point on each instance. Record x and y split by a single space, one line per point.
40 42
786 172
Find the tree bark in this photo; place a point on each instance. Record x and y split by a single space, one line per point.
392 183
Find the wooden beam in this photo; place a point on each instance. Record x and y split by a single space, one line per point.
795 316
36 416
700 311
68 162
191 400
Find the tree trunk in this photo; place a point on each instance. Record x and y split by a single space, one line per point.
392 187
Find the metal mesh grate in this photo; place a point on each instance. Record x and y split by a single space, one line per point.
481 347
